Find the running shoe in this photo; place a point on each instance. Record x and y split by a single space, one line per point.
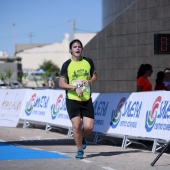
80 153
84 143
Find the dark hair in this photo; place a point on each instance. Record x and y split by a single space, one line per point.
143 69
160 77
76 40
166 69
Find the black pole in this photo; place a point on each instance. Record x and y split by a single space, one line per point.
155 160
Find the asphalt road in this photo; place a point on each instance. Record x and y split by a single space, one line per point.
103 156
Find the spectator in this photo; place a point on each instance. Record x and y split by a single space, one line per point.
43 83
160 81
167 78
143 84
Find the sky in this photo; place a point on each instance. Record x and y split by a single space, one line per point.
45 21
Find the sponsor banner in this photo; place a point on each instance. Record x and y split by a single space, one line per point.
36 105
59 115
47 106
145 114
58 110
11 101
106 105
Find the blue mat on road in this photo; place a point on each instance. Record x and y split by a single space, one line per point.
12 152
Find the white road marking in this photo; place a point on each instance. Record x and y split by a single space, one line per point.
31 138
2 140
37 149
106 168
35 138
62 153
86 161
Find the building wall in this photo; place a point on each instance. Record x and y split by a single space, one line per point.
112 8
57 52
127 42
9 66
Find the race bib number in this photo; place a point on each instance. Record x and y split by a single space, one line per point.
80 84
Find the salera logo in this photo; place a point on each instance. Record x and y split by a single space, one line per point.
56 107
116 114
151 115
29 105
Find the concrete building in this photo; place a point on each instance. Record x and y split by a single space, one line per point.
127 41
33 55
111 9
13 64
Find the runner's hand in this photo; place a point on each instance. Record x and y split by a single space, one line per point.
79 92
86 83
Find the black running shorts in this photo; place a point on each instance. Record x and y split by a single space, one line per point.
85 108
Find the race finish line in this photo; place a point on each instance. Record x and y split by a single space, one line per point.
11 152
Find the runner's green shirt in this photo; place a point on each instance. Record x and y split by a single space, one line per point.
75 72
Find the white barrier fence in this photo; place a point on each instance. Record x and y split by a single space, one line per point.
11 103
140 115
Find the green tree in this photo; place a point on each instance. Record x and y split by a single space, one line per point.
50 68
2 76
8 74
24 80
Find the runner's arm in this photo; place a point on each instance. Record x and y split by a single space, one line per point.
64 85
93 78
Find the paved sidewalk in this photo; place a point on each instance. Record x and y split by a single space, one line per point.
96 157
